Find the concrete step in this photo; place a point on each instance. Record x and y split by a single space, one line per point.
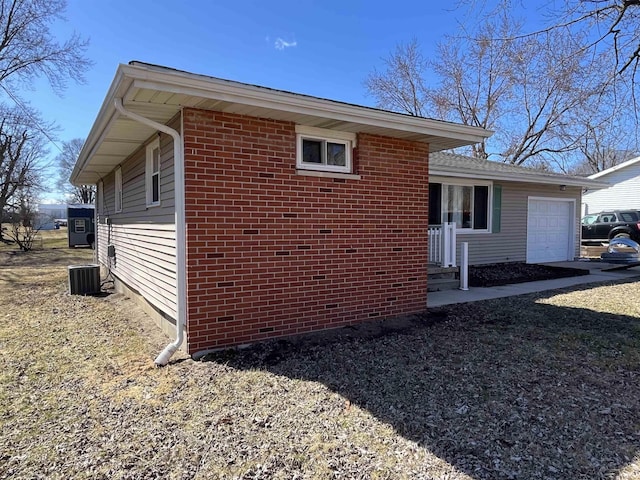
434 269
439 284
443 276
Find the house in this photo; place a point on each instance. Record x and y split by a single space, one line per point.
622 191
52 211
235 213
49 215
506 213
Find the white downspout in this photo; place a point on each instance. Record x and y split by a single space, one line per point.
181 252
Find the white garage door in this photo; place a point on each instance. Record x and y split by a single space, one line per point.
550 230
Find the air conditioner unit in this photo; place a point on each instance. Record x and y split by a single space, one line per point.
84 279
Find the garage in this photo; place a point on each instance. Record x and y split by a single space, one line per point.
550 230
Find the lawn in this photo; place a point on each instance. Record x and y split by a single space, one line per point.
537 386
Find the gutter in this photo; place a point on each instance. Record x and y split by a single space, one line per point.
181 254
529 178
165 79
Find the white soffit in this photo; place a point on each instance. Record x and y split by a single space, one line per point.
159 93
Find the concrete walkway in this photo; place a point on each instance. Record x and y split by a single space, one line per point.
598 272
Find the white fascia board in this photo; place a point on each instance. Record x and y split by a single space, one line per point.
542 179
229 91
615 168
130 77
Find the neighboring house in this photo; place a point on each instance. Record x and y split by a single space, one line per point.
622 193
49 215
53 210
506 213
244 213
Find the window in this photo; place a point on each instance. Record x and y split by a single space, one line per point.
325 150
79 225
99 198
153 173
466 205
118 188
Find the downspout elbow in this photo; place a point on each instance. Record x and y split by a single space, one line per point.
178 165
163 357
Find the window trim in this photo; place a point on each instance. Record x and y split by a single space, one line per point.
77 222
325 135
118 190
100 198
150 173
463 182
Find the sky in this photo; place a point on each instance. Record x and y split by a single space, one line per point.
324 48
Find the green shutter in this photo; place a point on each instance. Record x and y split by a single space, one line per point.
497 208
480 207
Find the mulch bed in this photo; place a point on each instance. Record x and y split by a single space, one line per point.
509 273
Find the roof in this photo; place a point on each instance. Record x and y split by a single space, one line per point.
453 165
89 206
159 93
615 168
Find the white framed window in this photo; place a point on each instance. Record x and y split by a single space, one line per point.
467 204
78 226
324 150
118 188
100 198
152 173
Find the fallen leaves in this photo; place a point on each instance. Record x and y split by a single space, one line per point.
538 386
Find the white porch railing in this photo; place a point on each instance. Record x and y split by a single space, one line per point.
442 244
434 237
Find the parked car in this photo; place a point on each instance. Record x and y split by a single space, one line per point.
604 226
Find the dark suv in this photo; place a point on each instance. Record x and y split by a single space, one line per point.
603 226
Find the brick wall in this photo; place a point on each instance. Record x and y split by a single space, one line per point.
273 253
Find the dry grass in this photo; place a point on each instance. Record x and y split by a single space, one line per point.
540 386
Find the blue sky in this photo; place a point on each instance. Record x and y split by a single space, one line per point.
322 48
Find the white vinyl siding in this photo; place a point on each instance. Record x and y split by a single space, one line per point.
144 239
510 244
621 195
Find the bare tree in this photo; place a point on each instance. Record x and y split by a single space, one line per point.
400 86
610 27
603 146
22 215
605 24
608 133
66 161
475 79
22 148
549 89
534 91
28 49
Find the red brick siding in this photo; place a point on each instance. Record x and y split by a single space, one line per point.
273 253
